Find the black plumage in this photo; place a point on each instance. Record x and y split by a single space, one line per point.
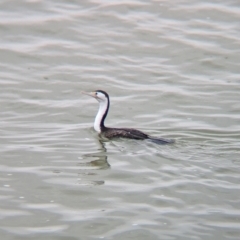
132 133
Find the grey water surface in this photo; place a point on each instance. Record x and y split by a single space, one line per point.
171 68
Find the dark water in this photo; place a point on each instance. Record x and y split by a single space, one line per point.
172 69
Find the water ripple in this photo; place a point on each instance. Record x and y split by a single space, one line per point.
171 69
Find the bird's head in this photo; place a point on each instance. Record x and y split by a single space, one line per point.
99 95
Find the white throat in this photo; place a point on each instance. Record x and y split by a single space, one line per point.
101 111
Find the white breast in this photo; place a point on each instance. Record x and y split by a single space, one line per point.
101 111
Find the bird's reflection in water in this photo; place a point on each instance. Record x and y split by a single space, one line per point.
95 161
98 162
99 159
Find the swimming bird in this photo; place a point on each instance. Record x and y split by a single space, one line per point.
104 103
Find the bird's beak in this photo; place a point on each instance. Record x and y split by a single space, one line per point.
92 94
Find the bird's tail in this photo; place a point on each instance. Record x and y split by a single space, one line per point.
160 140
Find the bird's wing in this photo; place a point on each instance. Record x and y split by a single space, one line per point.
125 133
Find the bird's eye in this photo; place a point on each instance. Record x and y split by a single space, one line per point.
96 93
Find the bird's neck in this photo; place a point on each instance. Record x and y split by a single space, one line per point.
101 115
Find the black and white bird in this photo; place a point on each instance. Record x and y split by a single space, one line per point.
104 103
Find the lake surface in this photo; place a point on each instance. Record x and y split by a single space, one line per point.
171 68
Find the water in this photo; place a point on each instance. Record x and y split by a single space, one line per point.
171 69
